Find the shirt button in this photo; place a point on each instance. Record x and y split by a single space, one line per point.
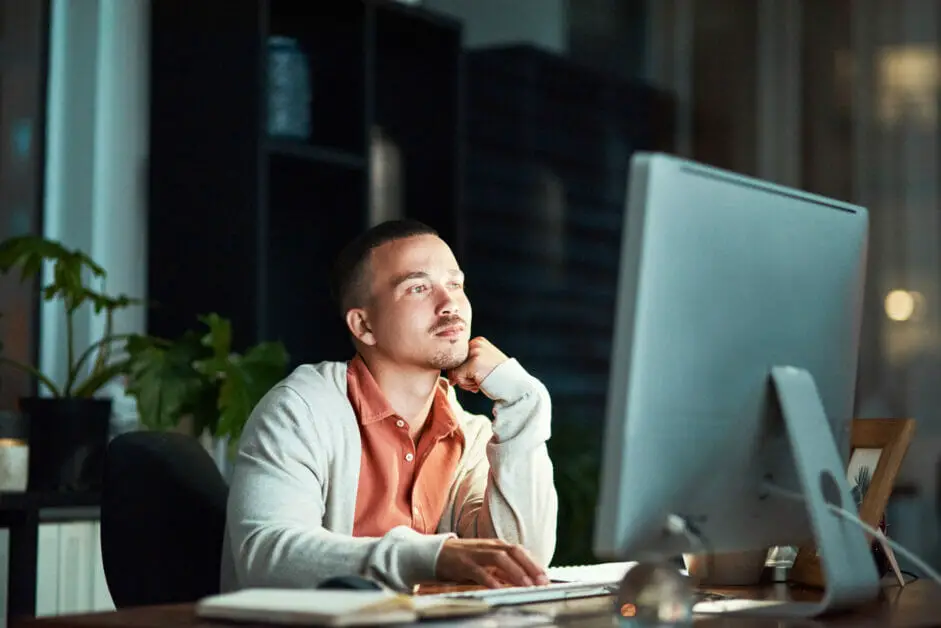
400 423
409 457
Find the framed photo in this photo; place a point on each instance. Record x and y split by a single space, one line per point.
877 449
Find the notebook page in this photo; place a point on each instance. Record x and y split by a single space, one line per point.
291 606
602 572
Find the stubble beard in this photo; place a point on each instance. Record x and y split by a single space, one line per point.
452 357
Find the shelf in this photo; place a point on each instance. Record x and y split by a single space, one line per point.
313 210
319 154
418 54
331 37
31 501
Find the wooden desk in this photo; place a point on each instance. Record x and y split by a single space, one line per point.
917 605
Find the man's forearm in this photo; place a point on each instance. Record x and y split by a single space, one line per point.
287 556
510 494
522 505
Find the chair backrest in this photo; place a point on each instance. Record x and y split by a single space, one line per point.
162 519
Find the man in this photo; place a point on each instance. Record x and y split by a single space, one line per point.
371 467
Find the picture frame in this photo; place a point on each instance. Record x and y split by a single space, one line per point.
877 450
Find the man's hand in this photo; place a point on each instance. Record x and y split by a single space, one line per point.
490 562
482 358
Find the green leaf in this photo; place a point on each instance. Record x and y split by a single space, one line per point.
96 380
102 302
28 252
163 380
219 338
247 379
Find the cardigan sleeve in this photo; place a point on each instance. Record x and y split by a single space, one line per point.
506 488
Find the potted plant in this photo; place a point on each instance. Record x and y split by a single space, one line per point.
198 378
68 429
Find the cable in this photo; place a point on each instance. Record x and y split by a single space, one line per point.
849 516
911 575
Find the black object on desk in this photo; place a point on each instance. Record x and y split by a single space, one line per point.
355 583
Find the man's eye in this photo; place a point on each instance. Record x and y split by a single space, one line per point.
457 285
417 289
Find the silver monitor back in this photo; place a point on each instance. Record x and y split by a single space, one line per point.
722 277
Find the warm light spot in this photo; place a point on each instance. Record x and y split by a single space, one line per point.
628 610
907 84
900 305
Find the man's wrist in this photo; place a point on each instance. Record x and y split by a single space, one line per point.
421 559
507 382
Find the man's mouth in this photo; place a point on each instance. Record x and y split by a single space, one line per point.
451 331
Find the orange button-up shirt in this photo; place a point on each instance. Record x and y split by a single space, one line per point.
401 482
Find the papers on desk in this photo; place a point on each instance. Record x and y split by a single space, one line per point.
601 573
332 607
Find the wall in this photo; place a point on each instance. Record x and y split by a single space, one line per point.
96 156
22 111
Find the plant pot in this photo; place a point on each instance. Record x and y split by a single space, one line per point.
67 442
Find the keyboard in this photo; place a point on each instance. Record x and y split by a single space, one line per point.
703 602
513 596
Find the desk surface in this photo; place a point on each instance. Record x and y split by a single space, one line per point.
917 605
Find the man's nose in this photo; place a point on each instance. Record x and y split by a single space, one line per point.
447 304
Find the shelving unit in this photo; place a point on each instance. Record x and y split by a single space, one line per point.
549 143
50 561
247 225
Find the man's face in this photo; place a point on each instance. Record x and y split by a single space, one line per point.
418 314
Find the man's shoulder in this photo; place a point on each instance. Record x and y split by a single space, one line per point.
320 388
321 378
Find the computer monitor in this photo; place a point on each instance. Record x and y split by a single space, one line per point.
735 349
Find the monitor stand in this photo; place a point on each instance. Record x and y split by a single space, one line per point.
846 560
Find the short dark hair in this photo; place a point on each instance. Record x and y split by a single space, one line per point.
348 277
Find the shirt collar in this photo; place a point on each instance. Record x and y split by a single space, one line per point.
371 406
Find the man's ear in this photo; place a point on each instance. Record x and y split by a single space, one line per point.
358 323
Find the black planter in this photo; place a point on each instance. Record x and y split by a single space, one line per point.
67 442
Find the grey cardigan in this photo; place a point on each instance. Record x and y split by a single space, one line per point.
292 494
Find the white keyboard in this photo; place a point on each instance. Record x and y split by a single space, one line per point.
512 596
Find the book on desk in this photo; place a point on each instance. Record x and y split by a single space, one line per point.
332 607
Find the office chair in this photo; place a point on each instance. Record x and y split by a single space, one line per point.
162 519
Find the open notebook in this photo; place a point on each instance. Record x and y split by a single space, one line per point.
332 607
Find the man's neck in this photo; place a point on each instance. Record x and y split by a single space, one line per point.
409 391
